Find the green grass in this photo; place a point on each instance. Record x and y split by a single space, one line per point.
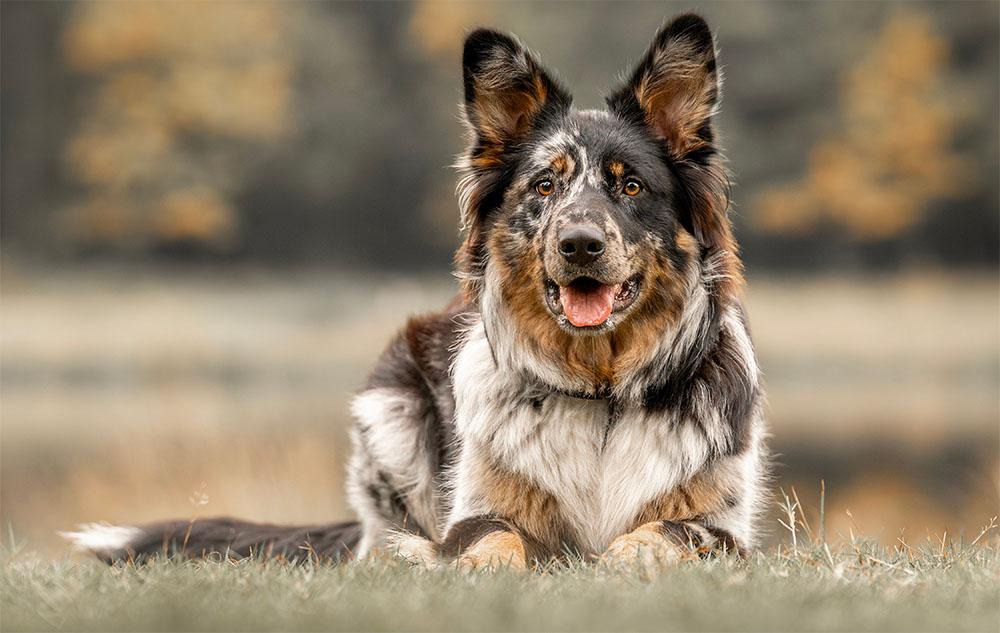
856 587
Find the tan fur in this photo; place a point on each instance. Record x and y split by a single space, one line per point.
596 360
496 550
704 494
658 310
503 113
412 549
647 550
533 510
563 164
617 169
677 98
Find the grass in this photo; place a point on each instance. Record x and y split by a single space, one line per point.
857 586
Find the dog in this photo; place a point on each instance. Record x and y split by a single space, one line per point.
593 390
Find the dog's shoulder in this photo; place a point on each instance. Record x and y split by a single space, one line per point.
416 364
421 352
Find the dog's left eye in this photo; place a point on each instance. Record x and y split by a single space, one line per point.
545 187
632 187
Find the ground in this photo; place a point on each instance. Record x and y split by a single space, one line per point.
938 586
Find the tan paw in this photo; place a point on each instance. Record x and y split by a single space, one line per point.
496 550
413 550
646 550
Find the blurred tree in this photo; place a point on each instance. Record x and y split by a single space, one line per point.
439 27
893 151
321 132
178 97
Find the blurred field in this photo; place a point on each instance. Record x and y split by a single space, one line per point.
131 396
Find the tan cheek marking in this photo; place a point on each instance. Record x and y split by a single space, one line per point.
663 296
588 358
595 360
496 550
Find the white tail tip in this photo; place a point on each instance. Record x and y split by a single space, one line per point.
101 537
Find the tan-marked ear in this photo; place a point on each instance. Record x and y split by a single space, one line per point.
675 88
674 92
507 96
507 92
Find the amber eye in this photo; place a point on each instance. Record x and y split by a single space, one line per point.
632 187
545 187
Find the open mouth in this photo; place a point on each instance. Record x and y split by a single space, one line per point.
586 302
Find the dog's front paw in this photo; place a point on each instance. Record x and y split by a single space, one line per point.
413 550
496 550
647 550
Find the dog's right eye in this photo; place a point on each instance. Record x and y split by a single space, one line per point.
632 187
545 187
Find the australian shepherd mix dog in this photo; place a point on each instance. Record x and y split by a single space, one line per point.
593 391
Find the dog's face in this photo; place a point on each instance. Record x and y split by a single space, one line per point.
591 221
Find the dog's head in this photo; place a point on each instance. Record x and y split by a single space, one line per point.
591 220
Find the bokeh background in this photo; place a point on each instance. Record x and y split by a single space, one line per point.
215 214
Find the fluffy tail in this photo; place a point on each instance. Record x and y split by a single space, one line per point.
224 537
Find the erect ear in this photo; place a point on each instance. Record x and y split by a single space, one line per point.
507 96
675 88
507 93
674 91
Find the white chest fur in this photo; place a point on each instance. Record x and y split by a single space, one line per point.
560 446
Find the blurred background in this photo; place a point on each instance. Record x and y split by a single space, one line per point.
215 214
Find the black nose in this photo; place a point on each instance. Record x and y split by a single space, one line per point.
581 243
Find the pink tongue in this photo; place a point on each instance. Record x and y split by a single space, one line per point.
587 308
